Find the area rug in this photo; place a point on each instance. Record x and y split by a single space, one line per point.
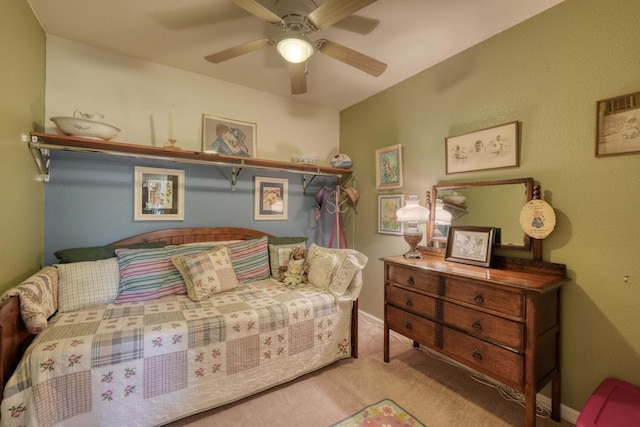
384 413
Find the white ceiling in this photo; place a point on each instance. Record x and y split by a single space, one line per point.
409 35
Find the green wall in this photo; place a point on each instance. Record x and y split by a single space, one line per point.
22 80
548 72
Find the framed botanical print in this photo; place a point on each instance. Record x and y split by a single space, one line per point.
159 194
271 198
388 204
228 137
389 167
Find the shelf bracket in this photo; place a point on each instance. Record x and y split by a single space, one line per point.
306 183
235 172
40 157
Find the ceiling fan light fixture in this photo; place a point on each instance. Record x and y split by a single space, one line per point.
295 49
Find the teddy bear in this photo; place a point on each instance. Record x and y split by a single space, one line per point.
296 270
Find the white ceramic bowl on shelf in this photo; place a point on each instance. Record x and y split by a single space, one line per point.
84 128
454 198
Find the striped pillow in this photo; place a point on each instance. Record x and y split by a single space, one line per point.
147 274
250 259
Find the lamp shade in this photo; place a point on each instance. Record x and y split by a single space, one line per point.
412 211
295 49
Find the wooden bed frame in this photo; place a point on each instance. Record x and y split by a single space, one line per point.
14 337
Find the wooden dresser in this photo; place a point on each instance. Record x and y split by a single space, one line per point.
503 322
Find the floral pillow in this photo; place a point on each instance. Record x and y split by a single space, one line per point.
206 273
38 298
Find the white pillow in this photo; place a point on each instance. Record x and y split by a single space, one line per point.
321 268
337 270
87 284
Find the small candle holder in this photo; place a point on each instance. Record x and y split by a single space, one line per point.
171 144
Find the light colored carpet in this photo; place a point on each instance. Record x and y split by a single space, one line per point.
437 393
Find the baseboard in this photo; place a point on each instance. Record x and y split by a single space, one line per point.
566 413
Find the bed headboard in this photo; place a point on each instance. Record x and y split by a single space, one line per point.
14 337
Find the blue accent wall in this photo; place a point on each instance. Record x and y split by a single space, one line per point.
89 201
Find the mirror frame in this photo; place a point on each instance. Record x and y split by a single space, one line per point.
527 182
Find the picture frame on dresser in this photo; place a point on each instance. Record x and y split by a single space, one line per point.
228 136
470 245
158 194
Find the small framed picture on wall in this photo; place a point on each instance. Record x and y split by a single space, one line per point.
389 167
388 204
271 198
159 194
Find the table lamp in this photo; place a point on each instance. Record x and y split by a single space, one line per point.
411 214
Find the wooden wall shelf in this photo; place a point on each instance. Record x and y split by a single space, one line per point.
42 142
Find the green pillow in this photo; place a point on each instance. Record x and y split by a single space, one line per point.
274 240
96 253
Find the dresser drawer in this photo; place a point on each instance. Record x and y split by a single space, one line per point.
494 328
415 278
470 292
497 362
411 326
411 301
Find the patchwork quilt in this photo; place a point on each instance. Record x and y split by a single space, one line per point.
149 363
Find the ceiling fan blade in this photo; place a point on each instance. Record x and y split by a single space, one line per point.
332 11
232 52
298 78
351 57
256 9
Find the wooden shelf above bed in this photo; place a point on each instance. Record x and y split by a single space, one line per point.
42 142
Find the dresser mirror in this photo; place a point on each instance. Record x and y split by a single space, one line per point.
489 203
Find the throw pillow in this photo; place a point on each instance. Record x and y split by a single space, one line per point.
206 273
337 270
250 260
95 253
87 284
147 274
279 256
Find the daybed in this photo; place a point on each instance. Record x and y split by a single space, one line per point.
148 354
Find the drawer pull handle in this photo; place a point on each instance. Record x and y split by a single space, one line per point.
411 280
476 354
409 326
477 325
479 298
409 302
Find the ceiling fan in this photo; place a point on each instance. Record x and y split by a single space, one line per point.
297 19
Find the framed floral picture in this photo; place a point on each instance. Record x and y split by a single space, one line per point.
159 194
228 137
387 206
389 167
271 198
470 245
